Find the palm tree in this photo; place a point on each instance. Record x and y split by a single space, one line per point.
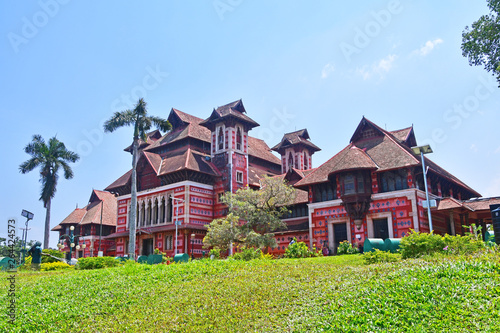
50 158
138 117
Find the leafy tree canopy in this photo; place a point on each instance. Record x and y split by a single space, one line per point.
481 42
254 216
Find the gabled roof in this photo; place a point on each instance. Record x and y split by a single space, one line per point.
183 126
99 201
122 181
178 118
258 148
350 158
187 160
405 136
300 137
74 217
151 138
382 150
234 110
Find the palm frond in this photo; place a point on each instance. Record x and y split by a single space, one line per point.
120 119
160 123
29 165
68 172
141 108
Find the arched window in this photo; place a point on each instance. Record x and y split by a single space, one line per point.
290 160
306 165
169 209
239 139
220 139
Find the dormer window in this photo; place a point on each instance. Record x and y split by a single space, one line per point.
220 139
239 139
356 183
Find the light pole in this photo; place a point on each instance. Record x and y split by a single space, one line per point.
425 150
177 223
71 241
29 216
192 245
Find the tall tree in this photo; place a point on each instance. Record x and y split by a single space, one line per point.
142 123
50 158
481 42
261 212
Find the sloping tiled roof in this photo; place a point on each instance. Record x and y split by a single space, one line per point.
256 173
92 212
187 160
151 138
482 203
402 134
108 207
154 160
260 149
234 109
296 138
122 181
449 203
387 153
350 158
75 216
385 150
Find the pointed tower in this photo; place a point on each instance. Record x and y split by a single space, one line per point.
296 151
229 126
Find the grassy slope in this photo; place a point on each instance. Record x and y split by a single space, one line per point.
337 294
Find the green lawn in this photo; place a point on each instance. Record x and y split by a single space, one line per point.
336 294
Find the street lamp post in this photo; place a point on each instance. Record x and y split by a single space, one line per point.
177 223
29 216
425 150
192 245
71 241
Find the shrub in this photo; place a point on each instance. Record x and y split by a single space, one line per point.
416 244
346 248
378 256
247 253
53 253
54 266
467 244
300 250
97 262
214 252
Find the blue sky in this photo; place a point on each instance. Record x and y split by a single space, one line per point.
323 65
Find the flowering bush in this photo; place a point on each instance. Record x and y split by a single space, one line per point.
301 250
346 248
54 266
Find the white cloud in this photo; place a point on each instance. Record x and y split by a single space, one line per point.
428 47
379 68
327 70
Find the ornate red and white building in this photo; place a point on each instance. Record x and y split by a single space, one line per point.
373 188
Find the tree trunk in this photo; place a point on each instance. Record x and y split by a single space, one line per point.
46 233
133 203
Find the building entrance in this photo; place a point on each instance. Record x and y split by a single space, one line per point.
380 228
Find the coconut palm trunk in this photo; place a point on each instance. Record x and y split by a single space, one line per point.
50 158
142 123
46 233
133 201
